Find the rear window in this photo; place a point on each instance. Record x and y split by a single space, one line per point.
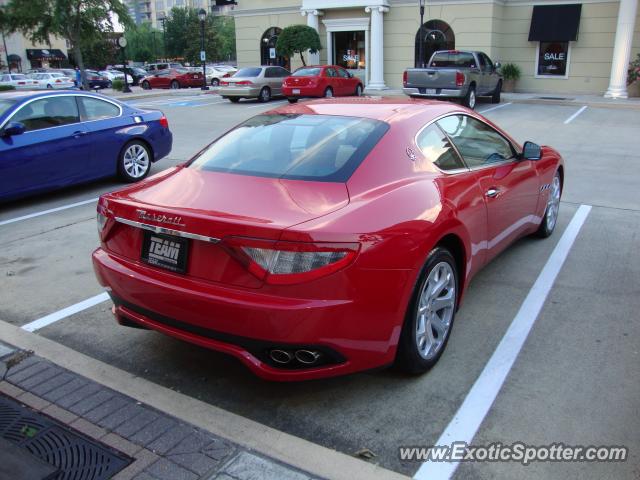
248 72
307 72
18 77
453 59
296 147
5 105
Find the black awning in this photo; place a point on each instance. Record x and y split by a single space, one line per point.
44 54
14 58
555 23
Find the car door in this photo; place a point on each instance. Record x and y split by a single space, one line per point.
509 186
492 77
103 120
161 79
484 77
332 80
53 151
273 80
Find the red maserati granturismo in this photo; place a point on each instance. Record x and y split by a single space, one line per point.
325 238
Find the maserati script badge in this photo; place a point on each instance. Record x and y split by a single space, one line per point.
160 218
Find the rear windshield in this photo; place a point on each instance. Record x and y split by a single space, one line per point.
248 72
5 104
296 147
453 59
18 77
307 72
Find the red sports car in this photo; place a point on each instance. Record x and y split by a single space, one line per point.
172 78
321 81
325 238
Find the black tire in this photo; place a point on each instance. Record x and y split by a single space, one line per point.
358 92
408 357
292 100
328 92
49 86
146 85
546 227
265 95
215 82
233 99
495 97
469 100
127 173
110 84
175 85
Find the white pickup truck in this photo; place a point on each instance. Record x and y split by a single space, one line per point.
455 74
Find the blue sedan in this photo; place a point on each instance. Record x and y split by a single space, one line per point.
51 140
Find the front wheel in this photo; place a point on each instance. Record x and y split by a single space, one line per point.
175 85
49 87
134 162
265 95
550 218
430 314
146 85
495 97
470 98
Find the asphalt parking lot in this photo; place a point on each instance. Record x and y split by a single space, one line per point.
576 379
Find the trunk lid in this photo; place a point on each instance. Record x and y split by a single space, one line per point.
432 78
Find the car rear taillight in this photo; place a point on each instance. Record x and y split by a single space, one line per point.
58 81
224 83
404 78
459 79
102 217
226 75
285 263
164 122
244 82
22 83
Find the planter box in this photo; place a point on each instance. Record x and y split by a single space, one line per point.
508 86
633 90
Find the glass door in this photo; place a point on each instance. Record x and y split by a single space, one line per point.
349 51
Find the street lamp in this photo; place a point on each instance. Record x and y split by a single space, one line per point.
163 20
202 15
420 35
123 43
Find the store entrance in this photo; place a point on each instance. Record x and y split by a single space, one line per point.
349 51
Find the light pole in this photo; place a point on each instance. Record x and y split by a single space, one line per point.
123 43
202 15
420 35
163 20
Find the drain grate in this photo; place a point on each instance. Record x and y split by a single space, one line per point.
76 457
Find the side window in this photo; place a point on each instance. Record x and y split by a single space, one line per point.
271 73
483 65
283 72
343 73
478 143
435 146
489 63
98 109
48 112
330 72
4 78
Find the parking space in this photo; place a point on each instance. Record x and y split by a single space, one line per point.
573 382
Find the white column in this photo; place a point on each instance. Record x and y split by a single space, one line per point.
312 21
377 48
622 49
329 47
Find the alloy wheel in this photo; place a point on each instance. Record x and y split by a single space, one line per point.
136 161
553 205
435 310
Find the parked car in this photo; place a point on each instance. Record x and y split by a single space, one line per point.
456 75
262 83
172 78
116 75
97 81
155 67
17 80
321 81
56 139
332 259
214 75
136 73
51 80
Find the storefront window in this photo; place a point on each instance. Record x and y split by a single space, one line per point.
552 59
350 49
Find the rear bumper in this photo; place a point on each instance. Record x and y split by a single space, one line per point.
240 92
349 334
303 92
439 92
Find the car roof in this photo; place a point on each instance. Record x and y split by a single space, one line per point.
20 95
386 109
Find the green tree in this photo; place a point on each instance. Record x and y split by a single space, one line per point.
81 22
297 39
144 44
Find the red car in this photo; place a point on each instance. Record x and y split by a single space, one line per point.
321 81
325 238
172 78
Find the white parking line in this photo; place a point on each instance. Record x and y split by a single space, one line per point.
45 212
65 312
266 105
495 108
572 117
465 423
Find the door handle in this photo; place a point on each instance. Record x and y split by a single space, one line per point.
492 192
79 134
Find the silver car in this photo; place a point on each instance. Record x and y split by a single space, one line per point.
262 83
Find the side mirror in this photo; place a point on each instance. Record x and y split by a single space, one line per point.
13 128
498 65
531 151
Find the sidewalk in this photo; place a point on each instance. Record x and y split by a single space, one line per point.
153 432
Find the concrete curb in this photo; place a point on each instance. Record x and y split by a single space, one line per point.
291 450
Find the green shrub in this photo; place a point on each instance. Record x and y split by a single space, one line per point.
4 88
117 85
510 71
